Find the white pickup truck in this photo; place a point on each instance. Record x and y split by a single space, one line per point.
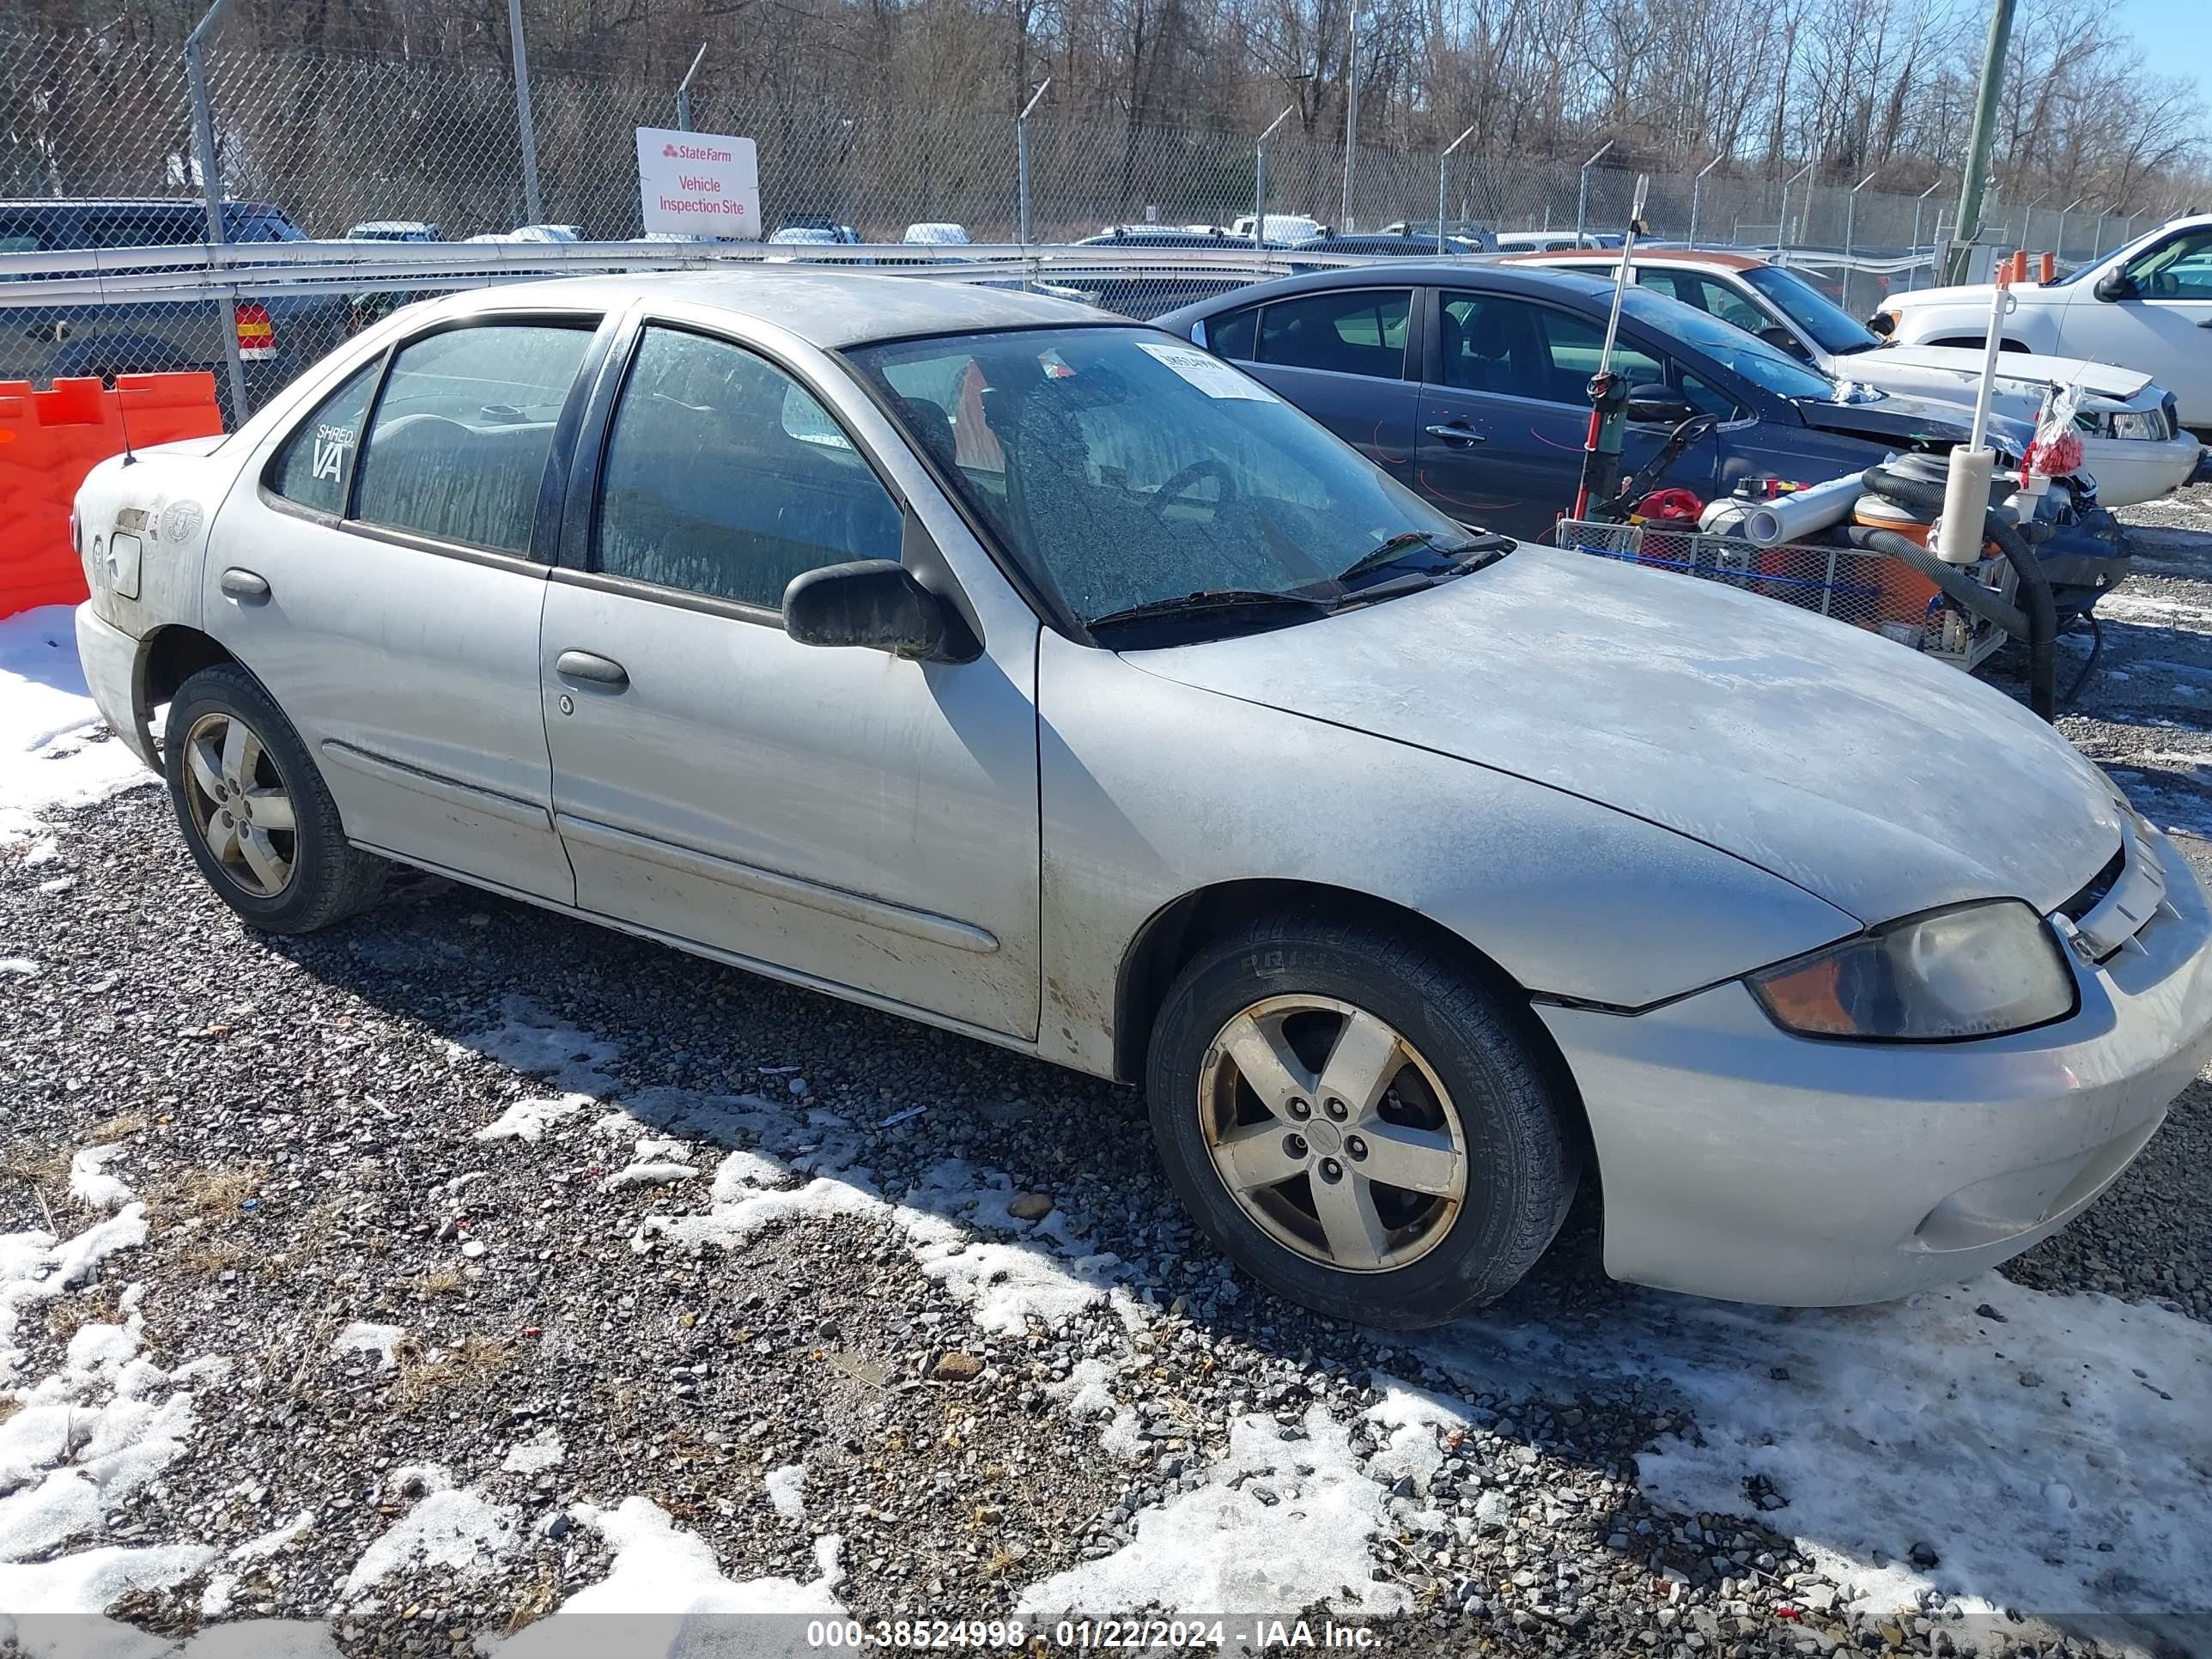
2147 306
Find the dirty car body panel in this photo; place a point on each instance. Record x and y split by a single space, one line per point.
1615 791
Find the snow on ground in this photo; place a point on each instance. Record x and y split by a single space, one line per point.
48 754
2053 1450
1279 1524
449 1526
664 1576
80 1440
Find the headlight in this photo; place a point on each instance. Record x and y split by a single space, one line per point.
2147 424
1970 971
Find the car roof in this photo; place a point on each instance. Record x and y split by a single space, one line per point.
1495 275
832 309
1657 256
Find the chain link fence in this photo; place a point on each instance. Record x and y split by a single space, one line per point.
425 142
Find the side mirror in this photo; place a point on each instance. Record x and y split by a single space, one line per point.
1783 340
1883 323
875 604
2116 285
1658 405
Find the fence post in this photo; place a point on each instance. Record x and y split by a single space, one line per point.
1782 225
2060 250
1021 171
1260 193
1919 202
1696 190
1440 159
1582 195
684 90
1974 179
211 170
1851 224
1351 108
526 128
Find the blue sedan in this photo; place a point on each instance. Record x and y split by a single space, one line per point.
1469 383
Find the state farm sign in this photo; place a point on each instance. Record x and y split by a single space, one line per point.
698 183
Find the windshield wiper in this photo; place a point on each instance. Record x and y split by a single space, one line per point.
1215 598
1400 545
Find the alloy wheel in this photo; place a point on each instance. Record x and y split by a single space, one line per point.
1332 1133
238 799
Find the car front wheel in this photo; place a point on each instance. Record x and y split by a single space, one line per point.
1358 1122
254 810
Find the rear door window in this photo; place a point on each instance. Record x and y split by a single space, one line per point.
457 446
315 464
1350 331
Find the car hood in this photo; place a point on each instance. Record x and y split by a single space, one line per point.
1961 367
1873 777
1899 419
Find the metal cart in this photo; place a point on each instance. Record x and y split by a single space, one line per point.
1867 589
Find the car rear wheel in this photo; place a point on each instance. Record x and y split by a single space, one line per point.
254 810
1358 1122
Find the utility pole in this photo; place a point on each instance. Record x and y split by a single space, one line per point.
1351 108
1259 192
1972 178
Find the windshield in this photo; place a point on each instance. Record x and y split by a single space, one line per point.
1833 328
1123 467
1761 364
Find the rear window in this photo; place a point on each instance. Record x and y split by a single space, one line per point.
458 448
316 462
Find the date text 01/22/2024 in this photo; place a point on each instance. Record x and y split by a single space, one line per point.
1134 1634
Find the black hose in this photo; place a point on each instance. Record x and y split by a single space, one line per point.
2081 678
1984 602
2041 612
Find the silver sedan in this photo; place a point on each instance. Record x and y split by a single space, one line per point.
977 656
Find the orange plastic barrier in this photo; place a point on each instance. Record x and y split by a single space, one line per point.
49 441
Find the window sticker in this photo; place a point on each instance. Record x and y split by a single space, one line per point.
1207 372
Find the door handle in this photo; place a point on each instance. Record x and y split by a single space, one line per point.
245 586
1458 432
588 667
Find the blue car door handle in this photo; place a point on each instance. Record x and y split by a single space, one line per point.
1456 432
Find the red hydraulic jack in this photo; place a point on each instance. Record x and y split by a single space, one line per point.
1608 391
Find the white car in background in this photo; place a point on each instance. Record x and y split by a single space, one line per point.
2132 443
1283 228
2147 306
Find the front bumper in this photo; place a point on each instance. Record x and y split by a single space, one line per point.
2131 471
110 658
1739 1161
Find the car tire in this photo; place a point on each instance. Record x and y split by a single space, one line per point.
255 812
1465 1096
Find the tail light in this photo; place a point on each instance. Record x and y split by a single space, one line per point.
257 335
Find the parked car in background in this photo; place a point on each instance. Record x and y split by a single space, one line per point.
1135 291
2132 442
1282 228
1199 236
938 235
841 232
395 230
1377 243
1840 974
1550 241
2147 306
533 234
1460 235
804 236
276 333
1467 381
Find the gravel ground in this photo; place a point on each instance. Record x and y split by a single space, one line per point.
870 1310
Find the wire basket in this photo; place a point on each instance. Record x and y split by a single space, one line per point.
1867 589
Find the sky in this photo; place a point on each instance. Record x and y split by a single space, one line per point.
2174 34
